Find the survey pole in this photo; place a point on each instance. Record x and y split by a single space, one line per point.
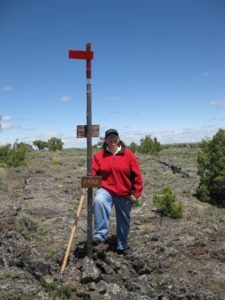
88 131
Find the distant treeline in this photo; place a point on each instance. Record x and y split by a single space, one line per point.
210 160
15 155
181 145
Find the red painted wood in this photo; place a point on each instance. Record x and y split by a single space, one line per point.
79 54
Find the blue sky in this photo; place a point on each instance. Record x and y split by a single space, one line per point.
158 69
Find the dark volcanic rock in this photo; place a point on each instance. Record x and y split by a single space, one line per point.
172 259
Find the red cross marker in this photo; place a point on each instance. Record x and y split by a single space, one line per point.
80 54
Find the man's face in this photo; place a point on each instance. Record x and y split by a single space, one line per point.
112 139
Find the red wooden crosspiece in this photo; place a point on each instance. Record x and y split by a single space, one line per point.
88 55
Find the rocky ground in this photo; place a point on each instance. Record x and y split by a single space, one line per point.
172 258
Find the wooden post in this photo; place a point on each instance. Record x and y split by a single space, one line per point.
88 131
89 154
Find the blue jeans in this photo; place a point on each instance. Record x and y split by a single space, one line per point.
102 207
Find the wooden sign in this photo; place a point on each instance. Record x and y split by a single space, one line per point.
82 131
91 181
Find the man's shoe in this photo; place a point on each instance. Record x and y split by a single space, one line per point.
127 251
96 240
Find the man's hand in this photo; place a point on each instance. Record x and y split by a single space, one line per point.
83 190
133 198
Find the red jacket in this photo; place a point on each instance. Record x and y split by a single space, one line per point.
120 173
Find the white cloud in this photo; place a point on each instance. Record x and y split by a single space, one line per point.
47 135
113 98
189 135
5 126
192 135
117 113
183 136
220 103
66 98
207 73
3 122
5 118
73 142
7 88
50 121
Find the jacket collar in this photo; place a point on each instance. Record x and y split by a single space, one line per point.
120 150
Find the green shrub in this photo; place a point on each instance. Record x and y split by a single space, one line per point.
133 147
211 169
3 178
12 294
149 145
59 291
14 155
55 144
40 144
17 155
167 205
64 292
56 161
26 146
26 225
4 152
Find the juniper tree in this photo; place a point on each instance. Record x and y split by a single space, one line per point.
211 169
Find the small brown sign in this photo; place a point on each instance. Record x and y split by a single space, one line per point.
82 131
91 181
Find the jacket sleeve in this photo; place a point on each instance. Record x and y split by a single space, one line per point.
136 177
95 165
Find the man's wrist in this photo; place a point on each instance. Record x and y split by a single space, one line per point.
133 198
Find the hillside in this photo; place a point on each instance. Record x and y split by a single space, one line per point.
172 258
